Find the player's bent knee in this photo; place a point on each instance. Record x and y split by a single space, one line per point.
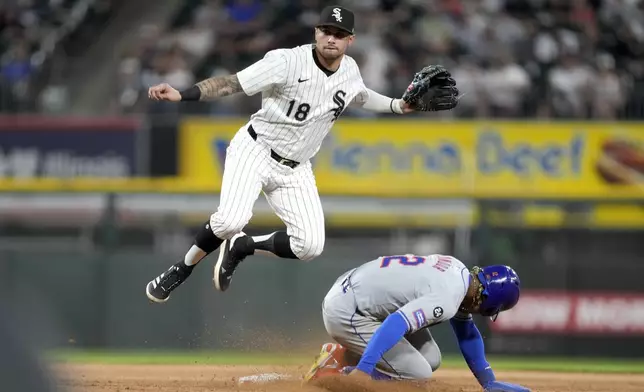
424 377
435 363
307 248
309 255
309 251
426 374
435 359
305 255
225 227
419 372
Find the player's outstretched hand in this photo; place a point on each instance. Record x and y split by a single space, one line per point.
498 386
164 92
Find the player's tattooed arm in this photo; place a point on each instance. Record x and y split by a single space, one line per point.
219 86
206 89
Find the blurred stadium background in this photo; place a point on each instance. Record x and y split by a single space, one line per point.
540 167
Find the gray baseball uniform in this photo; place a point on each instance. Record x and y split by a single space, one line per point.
425 290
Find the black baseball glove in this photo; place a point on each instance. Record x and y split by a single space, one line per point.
432 89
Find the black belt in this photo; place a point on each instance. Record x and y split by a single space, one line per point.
286 162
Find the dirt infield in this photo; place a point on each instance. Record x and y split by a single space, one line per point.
202 378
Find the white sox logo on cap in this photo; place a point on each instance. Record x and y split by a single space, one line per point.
337 15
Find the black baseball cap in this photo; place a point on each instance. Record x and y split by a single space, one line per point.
337 16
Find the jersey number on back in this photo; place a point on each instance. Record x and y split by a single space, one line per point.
442 264
402 260
301 113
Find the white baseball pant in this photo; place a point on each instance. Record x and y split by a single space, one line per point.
291 193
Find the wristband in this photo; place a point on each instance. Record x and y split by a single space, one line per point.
398 108
191 94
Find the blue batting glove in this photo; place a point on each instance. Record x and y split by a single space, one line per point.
498 386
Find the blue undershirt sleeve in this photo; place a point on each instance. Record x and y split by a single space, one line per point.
387 335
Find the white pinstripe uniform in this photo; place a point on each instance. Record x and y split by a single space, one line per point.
300 103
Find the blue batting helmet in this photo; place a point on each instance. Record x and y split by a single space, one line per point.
501 289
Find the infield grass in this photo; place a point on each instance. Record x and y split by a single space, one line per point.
500 363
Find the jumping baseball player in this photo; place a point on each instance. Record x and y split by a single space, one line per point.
380 314
304 90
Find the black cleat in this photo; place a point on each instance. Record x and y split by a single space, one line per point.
229 258
159 289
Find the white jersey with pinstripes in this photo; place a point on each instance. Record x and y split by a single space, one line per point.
300 99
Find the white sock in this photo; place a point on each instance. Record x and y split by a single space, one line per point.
261 238
194 255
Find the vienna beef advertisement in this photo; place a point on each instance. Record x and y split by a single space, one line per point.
481 159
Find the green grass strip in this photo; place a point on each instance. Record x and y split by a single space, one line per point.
499 363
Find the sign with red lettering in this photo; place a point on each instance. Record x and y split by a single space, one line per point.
574 313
